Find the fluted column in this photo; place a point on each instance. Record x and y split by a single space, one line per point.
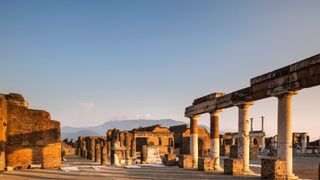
215 138
285 131
194 140
243 135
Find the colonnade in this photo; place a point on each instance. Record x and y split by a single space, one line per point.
284 134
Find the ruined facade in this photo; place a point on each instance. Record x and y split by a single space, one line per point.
27 136
125 147
182 140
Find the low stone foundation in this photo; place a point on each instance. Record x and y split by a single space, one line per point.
206 164
273 169
170 159
186 161
233 167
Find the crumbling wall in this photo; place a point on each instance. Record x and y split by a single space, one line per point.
32 137
3 129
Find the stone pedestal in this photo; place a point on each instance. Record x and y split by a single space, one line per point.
206 164
186 161
273 169
233 167
170 159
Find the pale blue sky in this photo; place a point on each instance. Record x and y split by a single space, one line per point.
87 62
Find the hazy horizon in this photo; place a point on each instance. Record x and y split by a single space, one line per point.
87 62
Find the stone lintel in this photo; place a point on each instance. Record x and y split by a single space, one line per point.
311 61
207 98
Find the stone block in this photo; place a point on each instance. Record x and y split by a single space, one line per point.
273 169
170 160
233 166
206 164
186 161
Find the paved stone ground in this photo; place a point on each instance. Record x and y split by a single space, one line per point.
88 172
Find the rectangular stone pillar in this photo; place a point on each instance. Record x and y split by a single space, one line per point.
194 140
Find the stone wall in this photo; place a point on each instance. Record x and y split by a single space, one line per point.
233 166
31 137
273 169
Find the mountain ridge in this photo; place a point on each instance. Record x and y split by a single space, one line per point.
100 130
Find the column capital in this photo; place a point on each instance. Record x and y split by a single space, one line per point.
215 112
243 105
194 117
285 93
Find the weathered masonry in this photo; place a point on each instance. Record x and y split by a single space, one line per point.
283 84
27 136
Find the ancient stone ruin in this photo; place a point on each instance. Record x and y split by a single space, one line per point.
283 84
27 136
141 145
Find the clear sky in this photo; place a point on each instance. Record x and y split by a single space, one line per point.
87 62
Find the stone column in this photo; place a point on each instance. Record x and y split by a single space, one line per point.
92 147
108 151
144 154
127 145
194 140
243 135
97 151
215 138
133 148
285 131
104 155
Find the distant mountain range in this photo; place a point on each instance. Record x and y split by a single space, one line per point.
73 133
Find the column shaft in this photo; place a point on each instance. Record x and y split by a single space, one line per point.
285 130
215 138
243 133
194 140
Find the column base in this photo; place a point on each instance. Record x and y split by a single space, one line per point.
218 169
247 172
292 177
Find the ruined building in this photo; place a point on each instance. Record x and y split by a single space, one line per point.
182 140
127 147
27 136
257 142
